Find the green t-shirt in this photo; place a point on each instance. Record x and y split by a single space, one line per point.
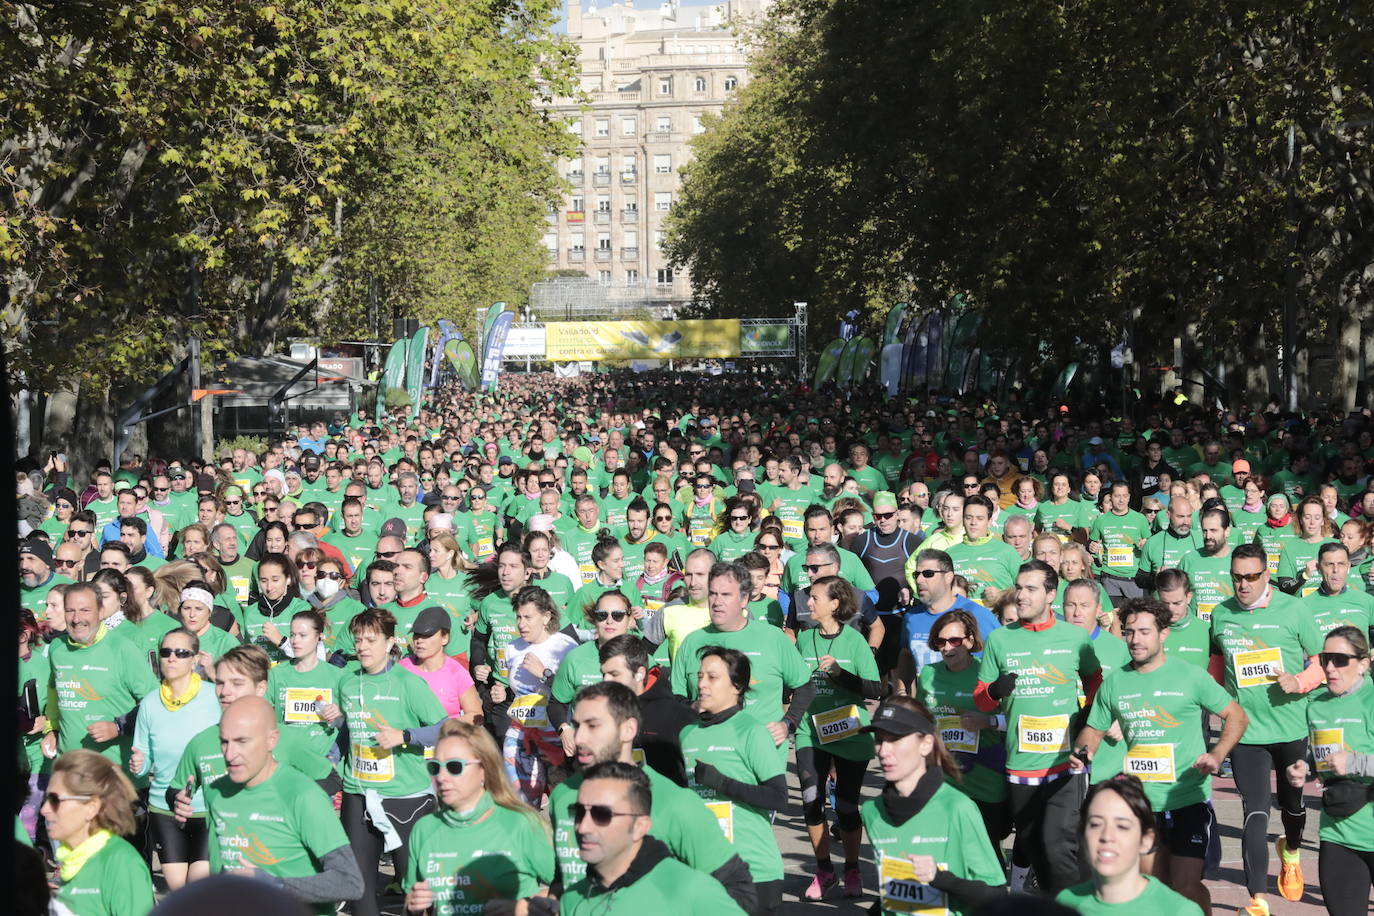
146 635
1190 640
852 570
670 886
1165 550
202 762
496 617
742 749
1343 723
950 830
97 683
1259 645
835 717
297 696
1349 607
283 827
774 662
1112 655
990 563
949 695
680 821
1211 578
37 669
1156 898
358 551
731 545
113 882
468 862
792 505
1119 536
579 668
559 587
394 698
1160 716
580 542
254 620
1049 664
1047 514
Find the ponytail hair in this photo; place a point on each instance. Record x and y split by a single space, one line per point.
939 757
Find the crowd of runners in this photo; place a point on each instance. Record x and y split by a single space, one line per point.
569 647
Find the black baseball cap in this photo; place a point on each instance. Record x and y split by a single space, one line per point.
430 621
898 720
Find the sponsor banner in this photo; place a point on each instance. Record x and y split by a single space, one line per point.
496 348
765 339
601 340
463 360
415 368
829 361
526 341
393 373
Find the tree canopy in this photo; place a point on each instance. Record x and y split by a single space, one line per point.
1071 169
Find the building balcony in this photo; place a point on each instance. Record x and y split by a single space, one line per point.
601 217
601 179
629 254
629 216
629 176
577 254
603 254
577 179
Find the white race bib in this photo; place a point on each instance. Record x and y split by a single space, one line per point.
1120 556
530 710
304 703
957 739
902 893
372 764
837 724
1151 763
1325 742
1257 667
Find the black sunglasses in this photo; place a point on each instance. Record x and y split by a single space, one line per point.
1338 659
926 573
1247 577
603 616
883 516
601 814
813 568
454 766
74 533
168 652
739 518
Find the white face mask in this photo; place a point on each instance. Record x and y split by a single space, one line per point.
327 588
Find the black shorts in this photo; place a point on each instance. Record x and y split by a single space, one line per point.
1186 831
179 843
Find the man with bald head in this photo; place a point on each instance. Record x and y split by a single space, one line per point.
267 820
1166 549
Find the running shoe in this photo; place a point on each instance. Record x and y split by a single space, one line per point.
1290 871
823 881
853 884
1257 906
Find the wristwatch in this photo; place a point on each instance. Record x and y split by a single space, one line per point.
405 736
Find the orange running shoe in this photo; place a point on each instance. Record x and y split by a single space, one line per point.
1257 906
1290 871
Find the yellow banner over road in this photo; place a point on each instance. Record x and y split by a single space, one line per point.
599 340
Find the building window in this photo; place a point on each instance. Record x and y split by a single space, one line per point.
627 163
630 239
575 127
603 241
576 204
663 163
696 124
578 241
730 83
665 276
603 277
575 167
664 125
632 205
658 239
631 277
663 200
603 203
603 165
699 84
627 127
551 242
603 127
665 85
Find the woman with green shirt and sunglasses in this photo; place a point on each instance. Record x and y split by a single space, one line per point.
484 845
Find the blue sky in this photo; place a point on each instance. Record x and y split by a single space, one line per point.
638 4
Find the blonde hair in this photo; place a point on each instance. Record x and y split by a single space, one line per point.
1073 547
88 773
169 580
493 766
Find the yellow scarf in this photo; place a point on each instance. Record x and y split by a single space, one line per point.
73 859
174 703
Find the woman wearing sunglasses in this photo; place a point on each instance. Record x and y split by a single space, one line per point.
531 743
970 736
932 850
611 616
737 530
733 764
88 810
168 718
484 845
1342 740
609 559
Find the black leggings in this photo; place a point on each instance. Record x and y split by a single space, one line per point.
1346 875
1046 818
813 768
368 844
1252 765
179 843
769 899
996 821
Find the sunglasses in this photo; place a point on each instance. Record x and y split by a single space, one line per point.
387 554
454 766
54 800
602 815
663 518
336 576
937 643
1337 659
306 564
926 573
74 533
168 652
61 562
770 547
739 518
970 486
603 616
162 489
883 516
477 496
813 568
1247 577
233 502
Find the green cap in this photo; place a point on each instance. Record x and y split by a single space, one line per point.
583 454
884 501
